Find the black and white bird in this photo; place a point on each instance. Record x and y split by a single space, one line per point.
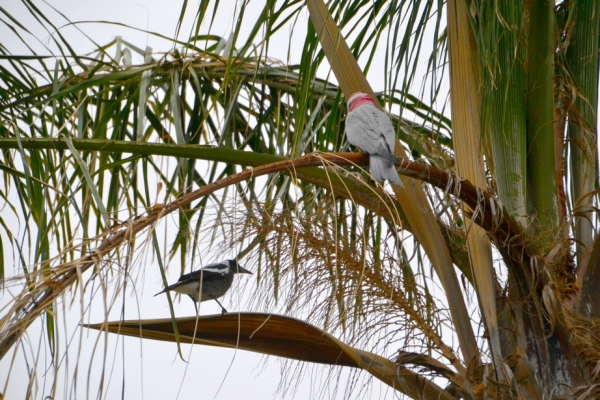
208 283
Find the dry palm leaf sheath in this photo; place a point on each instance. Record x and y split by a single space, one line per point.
280 336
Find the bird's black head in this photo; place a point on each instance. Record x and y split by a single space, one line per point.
236 268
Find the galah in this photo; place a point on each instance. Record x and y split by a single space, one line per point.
371 131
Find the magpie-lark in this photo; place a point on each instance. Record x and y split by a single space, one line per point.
207 283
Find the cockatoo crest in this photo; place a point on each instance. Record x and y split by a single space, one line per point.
358 99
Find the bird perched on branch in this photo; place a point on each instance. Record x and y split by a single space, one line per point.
207 283
371 131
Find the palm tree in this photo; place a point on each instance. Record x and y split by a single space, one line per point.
480 274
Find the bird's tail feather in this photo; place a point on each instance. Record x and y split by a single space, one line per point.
383 169
168 288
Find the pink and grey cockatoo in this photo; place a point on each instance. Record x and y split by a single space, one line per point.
371 131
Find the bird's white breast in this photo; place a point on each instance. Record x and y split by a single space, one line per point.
190 288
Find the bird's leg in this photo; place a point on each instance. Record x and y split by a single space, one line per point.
223 310
195 304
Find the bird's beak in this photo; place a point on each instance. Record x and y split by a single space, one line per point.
242 270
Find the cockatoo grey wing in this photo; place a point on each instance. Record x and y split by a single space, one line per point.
386 128
366 128
383 150
362 131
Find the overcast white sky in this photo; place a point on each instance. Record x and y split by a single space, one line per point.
152 369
